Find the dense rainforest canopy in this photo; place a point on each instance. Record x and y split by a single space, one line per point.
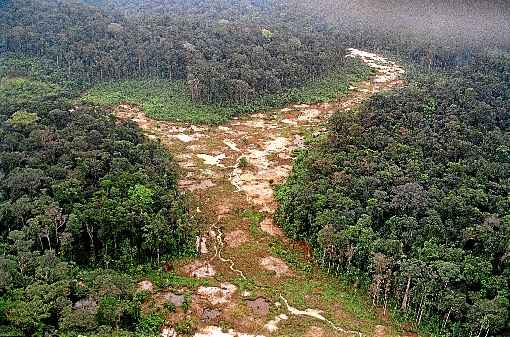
413 192
409 196
223 55
79 190
226 51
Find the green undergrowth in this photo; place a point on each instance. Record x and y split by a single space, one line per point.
163 279
171 100
255 219
292 257
332 291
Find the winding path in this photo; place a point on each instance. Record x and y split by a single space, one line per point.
232 169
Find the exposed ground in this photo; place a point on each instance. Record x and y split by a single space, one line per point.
260 282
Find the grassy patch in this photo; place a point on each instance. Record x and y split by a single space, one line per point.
352 302
186 327
296 291
293 258
255 218
164 280
160 99
170 100
244 284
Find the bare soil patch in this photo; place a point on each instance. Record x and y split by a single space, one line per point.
275 265
232 168
236 238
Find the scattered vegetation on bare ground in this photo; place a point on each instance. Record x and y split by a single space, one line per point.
170 100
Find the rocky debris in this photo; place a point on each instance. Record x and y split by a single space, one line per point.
222 211
276 145
289 121
231 145
258 115
168 332
200 269
198 128
274 264
260 306
201 245
301 106
380 331
195 147
298 142
184 138
183 157
272 325
257 124
317 314
85 304
212 160
145 285
309 115
314 313
236 238
187 165
210 315
210 173
267 142
387 71
258 193
217 295
214 331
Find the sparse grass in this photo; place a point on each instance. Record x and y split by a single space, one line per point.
255 218
296 291
186 327
352 301
225 326
186 304
244 284
160 99
170 100
170 307
293 258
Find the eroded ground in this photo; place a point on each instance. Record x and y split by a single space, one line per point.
256 289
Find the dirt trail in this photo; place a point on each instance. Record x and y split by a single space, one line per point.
232 169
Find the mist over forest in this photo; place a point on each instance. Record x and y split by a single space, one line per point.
480 23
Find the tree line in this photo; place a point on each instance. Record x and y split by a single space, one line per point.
409 196
225 56
81 195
